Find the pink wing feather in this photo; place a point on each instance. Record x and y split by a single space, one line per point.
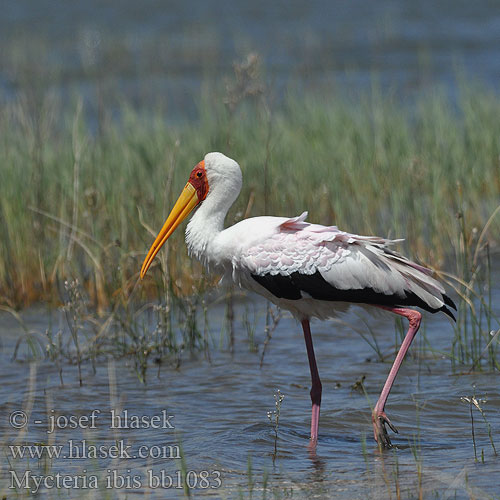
346 261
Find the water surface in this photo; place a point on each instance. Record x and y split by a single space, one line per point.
219 414
154 50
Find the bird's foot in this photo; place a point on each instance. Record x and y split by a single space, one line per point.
379 420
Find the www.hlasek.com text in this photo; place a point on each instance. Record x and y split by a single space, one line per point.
83 449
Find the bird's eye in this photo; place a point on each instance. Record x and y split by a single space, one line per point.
199 173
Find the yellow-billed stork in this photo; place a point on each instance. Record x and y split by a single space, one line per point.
308 269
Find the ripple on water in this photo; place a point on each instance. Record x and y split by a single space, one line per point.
220 416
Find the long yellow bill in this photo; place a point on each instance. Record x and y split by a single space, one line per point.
182 208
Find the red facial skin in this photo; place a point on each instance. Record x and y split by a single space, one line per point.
198 179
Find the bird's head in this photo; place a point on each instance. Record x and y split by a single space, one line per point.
216 177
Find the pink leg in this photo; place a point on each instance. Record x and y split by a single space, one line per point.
379 418
316 382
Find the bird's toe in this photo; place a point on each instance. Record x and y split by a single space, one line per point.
379 430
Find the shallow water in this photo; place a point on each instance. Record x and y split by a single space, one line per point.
155 49
220 407
219 418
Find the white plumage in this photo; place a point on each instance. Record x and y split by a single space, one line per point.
309 269
282 246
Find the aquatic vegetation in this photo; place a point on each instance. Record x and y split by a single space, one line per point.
75 310
74 199
476 331
274 418
273 316
478 403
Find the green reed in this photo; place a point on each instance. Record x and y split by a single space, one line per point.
477 329
79 202
84 202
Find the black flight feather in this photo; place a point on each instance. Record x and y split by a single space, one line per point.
290 287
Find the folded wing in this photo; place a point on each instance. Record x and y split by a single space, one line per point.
301 260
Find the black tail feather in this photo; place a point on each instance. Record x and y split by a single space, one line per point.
449 302
448 312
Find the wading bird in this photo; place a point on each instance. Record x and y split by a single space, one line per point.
308 269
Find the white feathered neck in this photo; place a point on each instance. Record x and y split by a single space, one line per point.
224 185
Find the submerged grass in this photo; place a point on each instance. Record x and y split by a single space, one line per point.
83 202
